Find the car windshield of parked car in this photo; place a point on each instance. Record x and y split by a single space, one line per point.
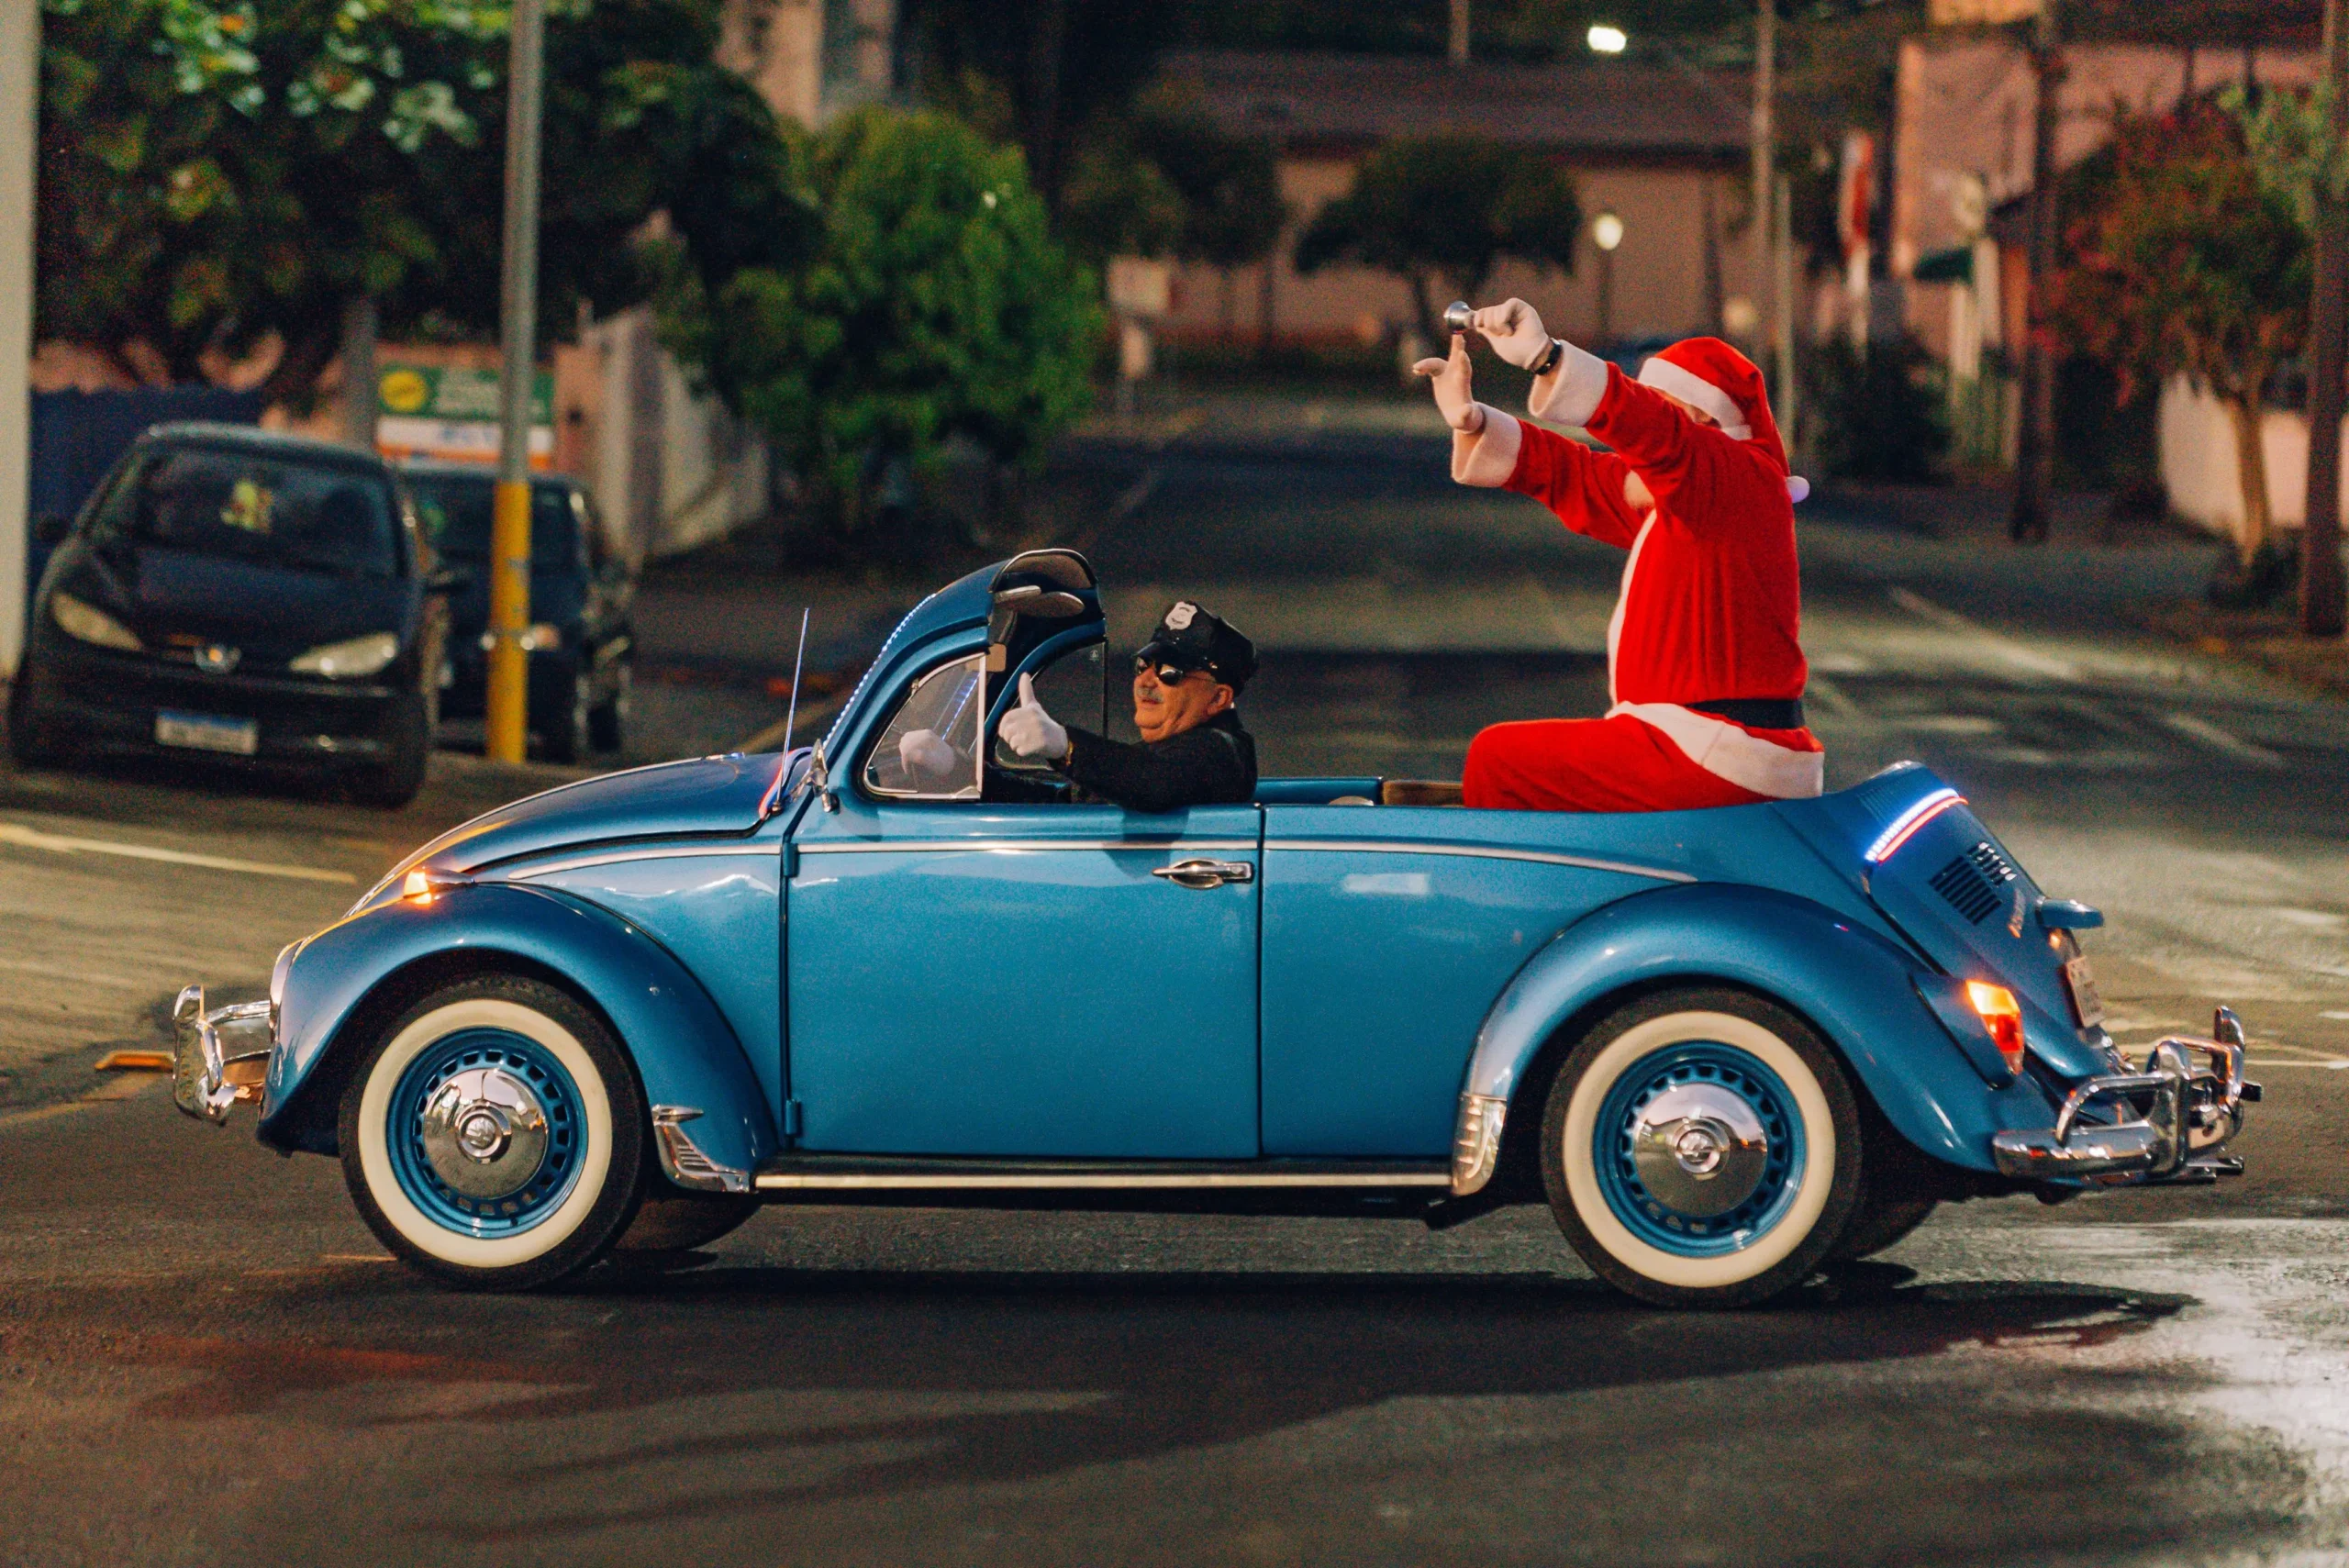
259 507
454 510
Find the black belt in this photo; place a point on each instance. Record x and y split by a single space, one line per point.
1755 713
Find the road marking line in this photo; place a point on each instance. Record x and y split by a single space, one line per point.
2194 727
114 1089
2006 648
34 838
79 976
1835 699
809 715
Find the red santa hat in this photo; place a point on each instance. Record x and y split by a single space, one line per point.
1707 373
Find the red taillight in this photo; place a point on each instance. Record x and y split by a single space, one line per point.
2002 1015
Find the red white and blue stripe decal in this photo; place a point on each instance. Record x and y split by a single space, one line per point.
1906 825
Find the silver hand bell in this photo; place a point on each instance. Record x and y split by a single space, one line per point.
1455 316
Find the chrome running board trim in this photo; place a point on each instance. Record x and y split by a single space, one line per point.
684 1161
1477 851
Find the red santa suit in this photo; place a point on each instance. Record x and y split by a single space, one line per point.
1710 607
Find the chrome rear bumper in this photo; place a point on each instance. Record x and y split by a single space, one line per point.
2171 1122
218 1057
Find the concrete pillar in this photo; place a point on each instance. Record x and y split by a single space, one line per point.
19 93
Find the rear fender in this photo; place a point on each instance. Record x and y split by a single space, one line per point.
684 1052
1855 986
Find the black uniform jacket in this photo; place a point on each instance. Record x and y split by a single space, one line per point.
1211 765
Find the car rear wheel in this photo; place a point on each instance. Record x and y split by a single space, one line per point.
494 1135
393 782
1701 1148
608 723
33 740
563 722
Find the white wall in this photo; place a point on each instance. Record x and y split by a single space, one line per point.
2197 453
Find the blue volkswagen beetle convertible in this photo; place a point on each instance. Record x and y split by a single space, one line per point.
1725 1047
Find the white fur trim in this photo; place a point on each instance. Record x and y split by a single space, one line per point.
1623 597
1689 387
1727 752
1486 457
1570 393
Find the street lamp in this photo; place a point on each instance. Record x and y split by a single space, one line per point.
1604 40
1606 232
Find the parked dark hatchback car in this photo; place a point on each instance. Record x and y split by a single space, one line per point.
245 594
582 642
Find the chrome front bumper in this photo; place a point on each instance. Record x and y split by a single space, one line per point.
2172 1121
218 1057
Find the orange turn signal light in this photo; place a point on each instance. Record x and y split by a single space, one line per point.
2002 1015
416 886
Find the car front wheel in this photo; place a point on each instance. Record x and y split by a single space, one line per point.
1701 1148
494 1135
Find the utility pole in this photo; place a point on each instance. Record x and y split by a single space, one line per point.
1766 201
1784 405
2035 448
19 107
358 373
1459 50
509 580
2320 576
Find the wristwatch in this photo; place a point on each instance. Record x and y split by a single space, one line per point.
1550 361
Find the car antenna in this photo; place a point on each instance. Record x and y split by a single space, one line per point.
798 660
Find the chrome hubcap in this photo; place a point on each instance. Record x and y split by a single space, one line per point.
1700 1149
484 1133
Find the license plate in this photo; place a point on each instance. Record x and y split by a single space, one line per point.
2080 980
207 732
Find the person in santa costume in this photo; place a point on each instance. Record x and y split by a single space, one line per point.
1704 659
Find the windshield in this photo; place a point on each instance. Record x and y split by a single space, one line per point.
255 507
454 510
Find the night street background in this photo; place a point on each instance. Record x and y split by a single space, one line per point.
206 1354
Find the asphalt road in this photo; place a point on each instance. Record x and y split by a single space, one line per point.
204 1357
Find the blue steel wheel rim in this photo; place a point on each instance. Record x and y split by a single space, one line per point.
547 1077
1657 1223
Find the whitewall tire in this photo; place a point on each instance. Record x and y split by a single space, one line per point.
1701 1147
493 1134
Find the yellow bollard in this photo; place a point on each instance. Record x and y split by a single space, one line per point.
509 619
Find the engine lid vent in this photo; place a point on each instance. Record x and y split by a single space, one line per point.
1971 883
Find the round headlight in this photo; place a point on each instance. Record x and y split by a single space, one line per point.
87 623
343 660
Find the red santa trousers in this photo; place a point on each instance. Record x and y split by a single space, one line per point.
1596 764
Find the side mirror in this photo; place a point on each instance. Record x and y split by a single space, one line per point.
52 527
448 580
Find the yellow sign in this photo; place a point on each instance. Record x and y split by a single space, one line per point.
404 391
1982 13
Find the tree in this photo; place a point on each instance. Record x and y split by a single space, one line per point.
1041 73
1169 180
1447 207
936 304
219 174
2181 261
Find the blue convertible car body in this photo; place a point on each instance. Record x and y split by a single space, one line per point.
1726 1045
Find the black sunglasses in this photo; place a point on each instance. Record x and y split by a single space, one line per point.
1168 674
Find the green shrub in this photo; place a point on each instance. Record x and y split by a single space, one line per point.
937 305
1875 412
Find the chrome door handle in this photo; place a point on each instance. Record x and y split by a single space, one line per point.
1205 873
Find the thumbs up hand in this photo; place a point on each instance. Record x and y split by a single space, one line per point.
1030 730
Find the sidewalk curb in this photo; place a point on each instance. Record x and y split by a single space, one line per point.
2265 642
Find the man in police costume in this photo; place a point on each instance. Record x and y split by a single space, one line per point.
1187 680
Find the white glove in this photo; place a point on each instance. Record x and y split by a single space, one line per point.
1030 730
1514 330
926 755
1451 378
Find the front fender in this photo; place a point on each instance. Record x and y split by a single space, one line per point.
1855 986
684 1052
